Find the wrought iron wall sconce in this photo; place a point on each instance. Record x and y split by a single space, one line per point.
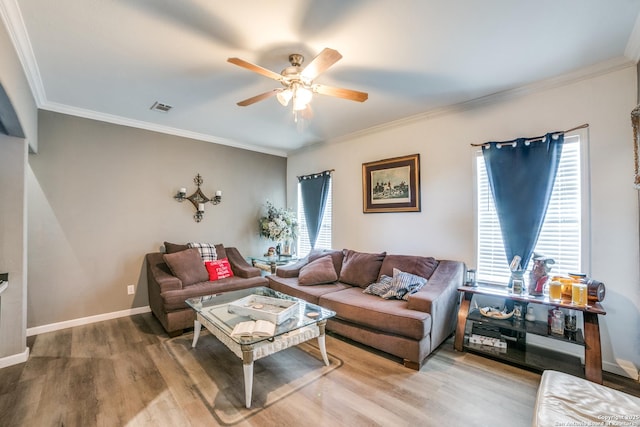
198 199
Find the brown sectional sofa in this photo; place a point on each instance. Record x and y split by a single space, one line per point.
410 329
167 293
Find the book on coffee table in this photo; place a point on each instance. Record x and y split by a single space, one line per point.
254 328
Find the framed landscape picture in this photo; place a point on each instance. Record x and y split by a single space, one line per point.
391 185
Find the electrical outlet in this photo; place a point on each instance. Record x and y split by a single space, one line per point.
130 290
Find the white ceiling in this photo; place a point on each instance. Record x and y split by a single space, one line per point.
112 59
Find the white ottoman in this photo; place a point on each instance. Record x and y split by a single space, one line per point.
565 400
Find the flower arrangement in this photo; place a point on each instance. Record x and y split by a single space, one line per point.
279 225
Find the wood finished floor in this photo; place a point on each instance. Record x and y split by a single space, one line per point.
120 373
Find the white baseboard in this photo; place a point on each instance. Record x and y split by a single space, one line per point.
86 320
14 359
619 367
622 368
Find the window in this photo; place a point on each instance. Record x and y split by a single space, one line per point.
561 237
324 236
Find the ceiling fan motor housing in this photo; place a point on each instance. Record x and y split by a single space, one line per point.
296 59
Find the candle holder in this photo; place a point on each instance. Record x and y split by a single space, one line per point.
198 198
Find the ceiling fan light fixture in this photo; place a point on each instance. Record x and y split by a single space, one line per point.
301 97
284 96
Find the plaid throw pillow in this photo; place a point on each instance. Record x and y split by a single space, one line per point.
379 288
207 250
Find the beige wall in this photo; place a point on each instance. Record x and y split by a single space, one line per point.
445 227
13 154
101 196
13 158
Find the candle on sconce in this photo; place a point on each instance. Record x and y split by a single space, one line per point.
201 207
183 190
219 193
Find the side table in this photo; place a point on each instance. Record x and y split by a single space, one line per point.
591 340
273 261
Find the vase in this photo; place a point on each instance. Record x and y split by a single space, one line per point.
286 248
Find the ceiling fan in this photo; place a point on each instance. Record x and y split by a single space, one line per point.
298 81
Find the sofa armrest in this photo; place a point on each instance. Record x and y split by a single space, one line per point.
440 299
240 266
291 270
158 274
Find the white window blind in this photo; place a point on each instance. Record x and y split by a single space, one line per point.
560 237
324 236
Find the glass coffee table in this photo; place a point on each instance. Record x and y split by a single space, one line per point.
305 322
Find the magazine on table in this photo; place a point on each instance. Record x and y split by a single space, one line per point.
254 328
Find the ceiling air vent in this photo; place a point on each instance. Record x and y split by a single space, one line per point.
163 108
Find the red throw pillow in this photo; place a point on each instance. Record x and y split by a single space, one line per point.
219 269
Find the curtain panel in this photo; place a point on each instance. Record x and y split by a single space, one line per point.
314 189
521 175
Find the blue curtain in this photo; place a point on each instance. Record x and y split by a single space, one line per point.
314 189
521 175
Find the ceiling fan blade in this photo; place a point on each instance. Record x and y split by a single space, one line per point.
352 95
321 63
255 68
258 98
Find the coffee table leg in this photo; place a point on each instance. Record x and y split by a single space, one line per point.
247 367
321 342
196 333
248 383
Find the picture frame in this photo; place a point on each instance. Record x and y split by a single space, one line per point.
391 185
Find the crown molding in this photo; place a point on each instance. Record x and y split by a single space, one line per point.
124 121
589 72
632 50
12 17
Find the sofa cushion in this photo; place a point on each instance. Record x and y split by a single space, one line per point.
336 256
187 266
360 269
171 248
207 250
318 272
290 286
418 265
218 269
370 311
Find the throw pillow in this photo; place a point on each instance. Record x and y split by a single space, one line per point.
404 284
336 256
360 269
221 252
187 266
418 265
207 250
218 269
400 286
318 272
171 248
379 288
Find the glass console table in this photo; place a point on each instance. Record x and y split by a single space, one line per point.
272 262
